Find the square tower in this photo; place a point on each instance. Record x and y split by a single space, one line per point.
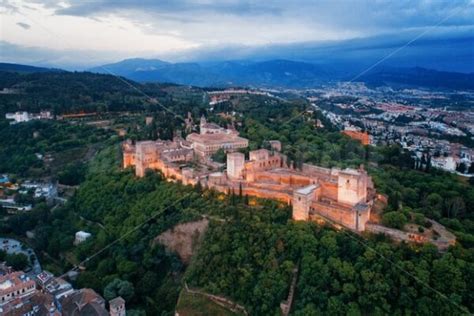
235 165
117 307
302 199
352 186
146 154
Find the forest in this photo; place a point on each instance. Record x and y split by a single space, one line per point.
47 148
109 204
252 256
83 92
249 257
250 249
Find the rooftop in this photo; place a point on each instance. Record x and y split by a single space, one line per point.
214 138
84 302
307 190
117 301
351 171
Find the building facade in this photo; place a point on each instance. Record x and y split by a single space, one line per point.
15 285
343 197
212 137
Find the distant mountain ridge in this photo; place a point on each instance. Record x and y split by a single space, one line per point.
272 73
278 73
129 66
9 67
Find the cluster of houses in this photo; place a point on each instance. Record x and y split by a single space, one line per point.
38 190
45 294
422 137
39 292
451 157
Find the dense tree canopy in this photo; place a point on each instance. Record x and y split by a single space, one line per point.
249 253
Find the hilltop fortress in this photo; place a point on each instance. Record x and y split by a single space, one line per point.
342 196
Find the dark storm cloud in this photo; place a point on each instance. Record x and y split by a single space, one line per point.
363 14
256 29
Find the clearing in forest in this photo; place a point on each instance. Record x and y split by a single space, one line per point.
184 238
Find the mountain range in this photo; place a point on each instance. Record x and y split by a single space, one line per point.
279 73
271 74
25 69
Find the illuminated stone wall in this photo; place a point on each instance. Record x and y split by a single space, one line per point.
235 165
352 186
338 195
302 200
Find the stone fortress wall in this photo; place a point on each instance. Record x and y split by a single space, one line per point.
343 196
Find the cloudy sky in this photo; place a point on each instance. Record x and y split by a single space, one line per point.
87 32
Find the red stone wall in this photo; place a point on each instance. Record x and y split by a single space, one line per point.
128 159
363 137
343 216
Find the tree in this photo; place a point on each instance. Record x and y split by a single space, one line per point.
433 204
119 287
73 174
461 167
148 283
394 219
455 207
471 169
18 261
219 156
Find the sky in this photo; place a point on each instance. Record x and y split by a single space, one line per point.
84 33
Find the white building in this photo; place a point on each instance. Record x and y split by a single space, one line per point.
445 163
81 236
18 117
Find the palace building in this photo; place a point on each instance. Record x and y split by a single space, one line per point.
342 196
212 137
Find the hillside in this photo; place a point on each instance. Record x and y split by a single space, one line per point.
25 69
129 66
251 247
72 92
279 73
271 74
